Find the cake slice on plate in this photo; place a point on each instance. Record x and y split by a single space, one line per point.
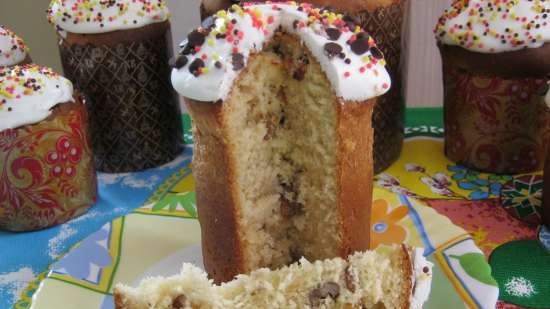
390 277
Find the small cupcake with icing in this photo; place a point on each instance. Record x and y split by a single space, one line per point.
496 60
117 53
13 50
43 126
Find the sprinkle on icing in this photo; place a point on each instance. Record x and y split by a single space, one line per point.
28 93
12 48
213 55
493 26
100 16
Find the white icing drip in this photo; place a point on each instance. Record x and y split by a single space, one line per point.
217 83
520 14
19 106
422 280
134 14
12 48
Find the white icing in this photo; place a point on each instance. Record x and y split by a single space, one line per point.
515 23
115 15
348 81
28 93
12 48
422 280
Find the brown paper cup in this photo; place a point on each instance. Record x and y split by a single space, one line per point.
47 175
135 118
385 24
494 124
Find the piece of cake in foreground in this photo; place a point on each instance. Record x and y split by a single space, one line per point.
390 277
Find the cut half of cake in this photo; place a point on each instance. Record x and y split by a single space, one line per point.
395 277
281 97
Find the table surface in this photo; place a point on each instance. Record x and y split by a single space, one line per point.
477 202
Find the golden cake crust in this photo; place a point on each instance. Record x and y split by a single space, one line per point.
221 248
216 194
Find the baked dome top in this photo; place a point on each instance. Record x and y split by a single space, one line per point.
100 16
213 55
12 48
494 26
28 93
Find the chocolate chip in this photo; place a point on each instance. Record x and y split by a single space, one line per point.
290 209
332 49
316 296
196 38
179 62
195 66
299 73
361 44
238 61
218 65
332 289
426 269
179 302
376 53
350 282
333 33
295 24
186 49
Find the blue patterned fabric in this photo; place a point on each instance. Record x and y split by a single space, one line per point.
25 255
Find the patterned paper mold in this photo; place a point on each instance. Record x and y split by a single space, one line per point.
212 56
493 26
97 16
12 48
46 171
495 124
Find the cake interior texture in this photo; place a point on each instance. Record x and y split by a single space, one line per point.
373 279
282 117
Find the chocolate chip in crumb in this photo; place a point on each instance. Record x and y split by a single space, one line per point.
316 296
332 289
238 61
179 302
376 53
332 49
333 33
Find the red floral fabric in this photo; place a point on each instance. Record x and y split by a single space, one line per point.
46 172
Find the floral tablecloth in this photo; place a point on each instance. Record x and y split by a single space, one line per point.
501 212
